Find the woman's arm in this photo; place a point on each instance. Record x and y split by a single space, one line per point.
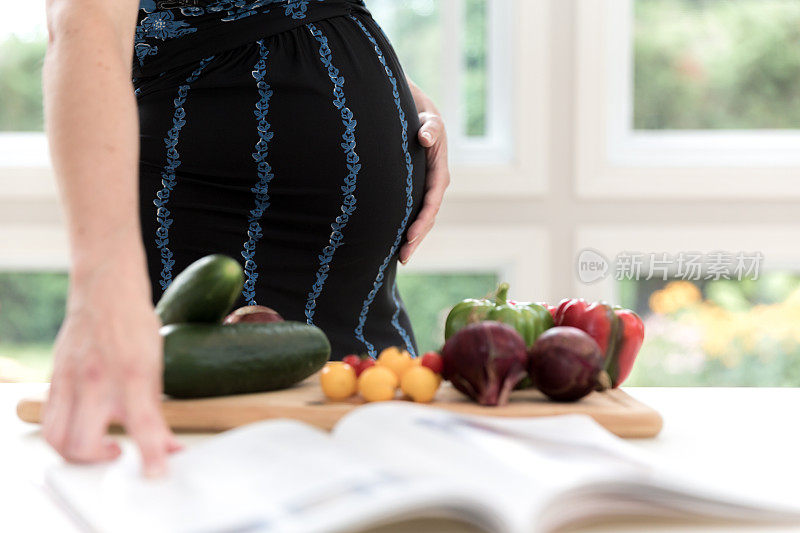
433 137
108 352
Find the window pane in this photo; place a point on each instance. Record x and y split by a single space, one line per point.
429 297
718 333
716 64
31 310
414 30
475 44
22 45
21 83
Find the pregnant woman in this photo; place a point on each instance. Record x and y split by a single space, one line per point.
279 132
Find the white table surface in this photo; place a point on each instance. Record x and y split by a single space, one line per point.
747 437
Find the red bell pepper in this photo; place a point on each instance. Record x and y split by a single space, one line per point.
618 331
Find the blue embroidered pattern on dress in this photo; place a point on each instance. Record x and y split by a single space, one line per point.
265 175
396 320
297 8
232 9
142 49
168 182
378 283
161 24
353 166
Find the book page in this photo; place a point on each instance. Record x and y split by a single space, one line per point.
248 478
515 465
385 463
540 473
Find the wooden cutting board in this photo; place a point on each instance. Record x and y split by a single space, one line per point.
614 409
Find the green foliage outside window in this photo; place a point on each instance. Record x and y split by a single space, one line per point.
475 74
429 297
716 64
32 306
21 84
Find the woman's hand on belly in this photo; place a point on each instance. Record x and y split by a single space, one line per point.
433 137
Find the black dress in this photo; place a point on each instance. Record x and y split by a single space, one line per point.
281 133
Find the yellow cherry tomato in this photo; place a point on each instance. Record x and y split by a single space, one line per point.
420 383
396 360
377 384
338 380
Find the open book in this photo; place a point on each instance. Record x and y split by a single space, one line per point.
391 462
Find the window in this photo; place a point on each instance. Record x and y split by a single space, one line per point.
22 45
700 65
688 98
454 50
20 83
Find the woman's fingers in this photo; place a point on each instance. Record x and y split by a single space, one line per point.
76 425
419 229
172 443
432 136
145 424
430 130
56 416
58 407
87 440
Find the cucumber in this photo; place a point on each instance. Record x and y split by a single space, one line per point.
204 292
215 360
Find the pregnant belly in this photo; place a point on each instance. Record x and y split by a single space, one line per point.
303 166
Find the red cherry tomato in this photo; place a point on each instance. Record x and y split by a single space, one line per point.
364 364
433 361
352 360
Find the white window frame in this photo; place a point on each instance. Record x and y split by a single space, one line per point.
30 246
25 172
612 160
512 160
494 146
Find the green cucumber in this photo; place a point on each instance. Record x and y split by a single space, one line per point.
215 360
204 292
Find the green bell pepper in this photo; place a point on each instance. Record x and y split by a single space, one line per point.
529 319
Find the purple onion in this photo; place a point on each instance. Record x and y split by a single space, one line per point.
485 361
566 364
